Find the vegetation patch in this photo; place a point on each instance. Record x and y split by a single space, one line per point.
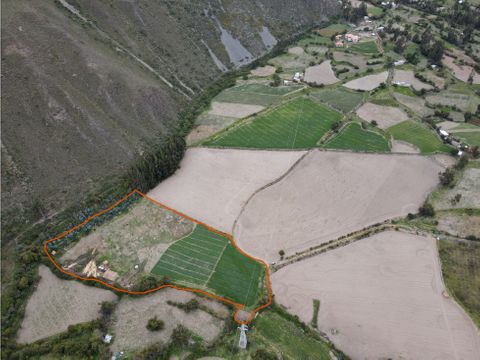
366 47
299 123
341 99
354 137
461 272
417 134
256 94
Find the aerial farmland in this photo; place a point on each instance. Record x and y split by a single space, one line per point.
331 192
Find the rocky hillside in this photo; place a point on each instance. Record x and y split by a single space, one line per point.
87 82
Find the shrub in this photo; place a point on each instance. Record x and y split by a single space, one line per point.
447 177
426 210
155 325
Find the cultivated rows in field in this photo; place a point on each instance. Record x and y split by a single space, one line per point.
353 137
192 259
209 260
299 123
340 98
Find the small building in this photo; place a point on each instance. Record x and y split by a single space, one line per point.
298 77
352 38
107 339
339 44
443 133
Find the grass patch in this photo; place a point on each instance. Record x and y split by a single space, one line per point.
316 308
417 134
354 137
340 98
314 39
374 11
461 272
332 30
256 94
299 123
366 48
404 90
471 138
290 340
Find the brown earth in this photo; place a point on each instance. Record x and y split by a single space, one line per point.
381 297
385 116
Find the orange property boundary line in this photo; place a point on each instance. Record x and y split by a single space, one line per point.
228 236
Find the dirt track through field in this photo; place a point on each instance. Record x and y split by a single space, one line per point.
381 297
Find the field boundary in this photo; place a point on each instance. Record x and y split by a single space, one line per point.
238 306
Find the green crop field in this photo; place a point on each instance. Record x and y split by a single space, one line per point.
299 123
353 137
471 138
340 98
256 94
205 259
374 11
417 134
367 47
333 29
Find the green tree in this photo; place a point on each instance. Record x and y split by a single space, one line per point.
155 324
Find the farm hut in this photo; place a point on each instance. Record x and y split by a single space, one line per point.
443 133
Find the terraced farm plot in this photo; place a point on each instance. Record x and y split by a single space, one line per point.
367 47
209 260
191 260
418 135
353 137
255 94
300 123
340 98
472 138
332 30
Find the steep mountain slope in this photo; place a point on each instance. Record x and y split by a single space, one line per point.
87 82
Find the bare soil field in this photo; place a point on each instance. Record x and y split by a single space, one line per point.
263 71
354 59
403 147
296 50
416 104
450 98
408 77
132 314
468 187
385 116
56 304
461 72
234 110
206 125
381 298
212 185
321 74
459 224
368 82
329 194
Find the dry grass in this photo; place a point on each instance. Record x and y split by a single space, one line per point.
56 304
234 110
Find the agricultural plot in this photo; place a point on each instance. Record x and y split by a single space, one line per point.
206 125
56 304
367 83
255 94
407 78
385 116
472 137
330 194
209 260
299 123
388 289
417 134
340 98
468 186
234 110
416 104
320 74
332 30
366 48
354 137
263 71
463 101
461 72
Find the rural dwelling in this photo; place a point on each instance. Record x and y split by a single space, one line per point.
352 38
443 133
298 77
339 43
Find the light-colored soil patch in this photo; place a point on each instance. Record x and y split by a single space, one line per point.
263 71
56 304
212 184
132 314
450 98
234 110
461 72
385 116
468 187
447 125
321 74
403 147
416 104
368 82
330 194
383 298
459 224
206 125
296 50
140 235
444 159
408 77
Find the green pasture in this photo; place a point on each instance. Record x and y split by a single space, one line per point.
341 98
354 137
